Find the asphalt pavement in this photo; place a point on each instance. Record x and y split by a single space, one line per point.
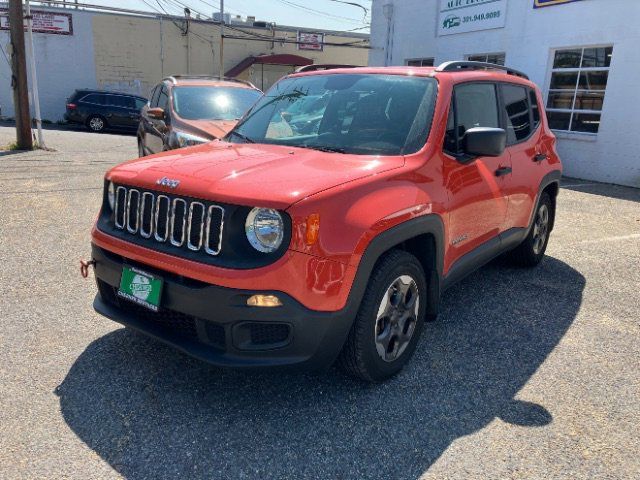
526 374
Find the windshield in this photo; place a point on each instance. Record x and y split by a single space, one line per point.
350 113
213 103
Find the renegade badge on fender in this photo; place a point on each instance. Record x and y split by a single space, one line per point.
297 244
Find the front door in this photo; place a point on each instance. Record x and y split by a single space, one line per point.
156 130
476 187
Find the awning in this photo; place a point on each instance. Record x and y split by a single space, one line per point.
280 59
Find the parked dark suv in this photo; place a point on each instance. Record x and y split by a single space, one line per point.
99 110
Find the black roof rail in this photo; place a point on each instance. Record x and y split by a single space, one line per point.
175 78
322 66
455 66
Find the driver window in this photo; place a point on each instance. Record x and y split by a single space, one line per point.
476 105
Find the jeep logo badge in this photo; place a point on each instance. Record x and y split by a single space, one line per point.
167 182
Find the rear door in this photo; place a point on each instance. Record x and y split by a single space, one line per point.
522 121
476 187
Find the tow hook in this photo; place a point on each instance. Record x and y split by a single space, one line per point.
84 267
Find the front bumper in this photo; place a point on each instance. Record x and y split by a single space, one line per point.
214 323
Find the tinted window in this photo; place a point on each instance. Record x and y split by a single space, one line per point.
120 101
475 105
535 109
516 106
95 98
163 98
140 103
213 103
350 113
154 96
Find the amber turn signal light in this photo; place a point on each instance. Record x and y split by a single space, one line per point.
313 228
264 301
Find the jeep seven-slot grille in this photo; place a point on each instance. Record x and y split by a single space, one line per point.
180 222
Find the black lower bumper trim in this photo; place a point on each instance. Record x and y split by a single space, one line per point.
214 323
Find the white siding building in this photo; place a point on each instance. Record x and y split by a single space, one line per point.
584 55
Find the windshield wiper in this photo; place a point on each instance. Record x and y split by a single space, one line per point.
324 148
242 136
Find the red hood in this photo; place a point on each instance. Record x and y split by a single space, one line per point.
210 128
253 175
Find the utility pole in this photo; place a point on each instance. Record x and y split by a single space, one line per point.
19 76
34 76
221 39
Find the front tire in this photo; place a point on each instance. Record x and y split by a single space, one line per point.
531 251
387 328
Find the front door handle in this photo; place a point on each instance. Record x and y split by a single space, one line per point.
503 171
540 157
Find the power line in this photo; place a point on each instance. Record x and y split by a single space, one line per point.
319 12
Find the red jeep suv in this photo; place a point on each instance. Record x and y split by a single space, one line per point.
285 244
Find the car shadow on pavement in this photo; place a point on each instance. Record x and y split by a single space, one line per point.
152 412
619 192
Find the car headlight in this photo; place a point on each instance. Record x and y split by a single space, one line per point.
182 139
111 195
265 229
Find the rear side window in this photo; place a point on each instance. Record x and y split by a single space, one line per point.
474 105
518 118
95 98
535 109
120 101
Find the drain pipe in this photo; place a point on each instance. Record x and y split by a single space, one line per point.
387 11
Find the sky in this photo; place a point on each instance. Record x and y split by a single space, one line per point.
324 14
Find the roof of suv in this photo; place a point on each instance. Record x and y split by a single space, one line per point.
464 70
106 92
209 81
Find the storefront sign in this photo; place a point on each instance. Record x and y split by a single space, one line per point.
44 22
460 16
549 3
310 41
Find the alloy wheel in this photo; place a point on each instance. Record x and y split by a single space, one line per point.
540 229
96 124
397 318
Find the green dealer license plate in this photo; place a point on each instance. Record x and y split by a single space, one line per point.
140 287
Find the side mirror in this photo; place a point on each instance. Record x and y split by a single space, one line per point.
156 113
484 141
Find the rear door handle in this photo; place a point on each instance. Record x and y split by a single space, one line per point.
503 171
541 157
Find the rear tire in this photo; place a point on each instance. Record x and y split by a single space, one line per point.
531 251
96 123
388 325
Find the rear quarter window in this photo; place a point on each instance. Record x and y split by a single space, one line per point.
518 117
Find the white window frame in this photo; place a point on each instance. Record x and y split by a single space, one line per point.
486 56
578 70
421 59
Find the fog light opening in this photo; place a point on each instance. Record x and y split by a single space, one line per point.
267 301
